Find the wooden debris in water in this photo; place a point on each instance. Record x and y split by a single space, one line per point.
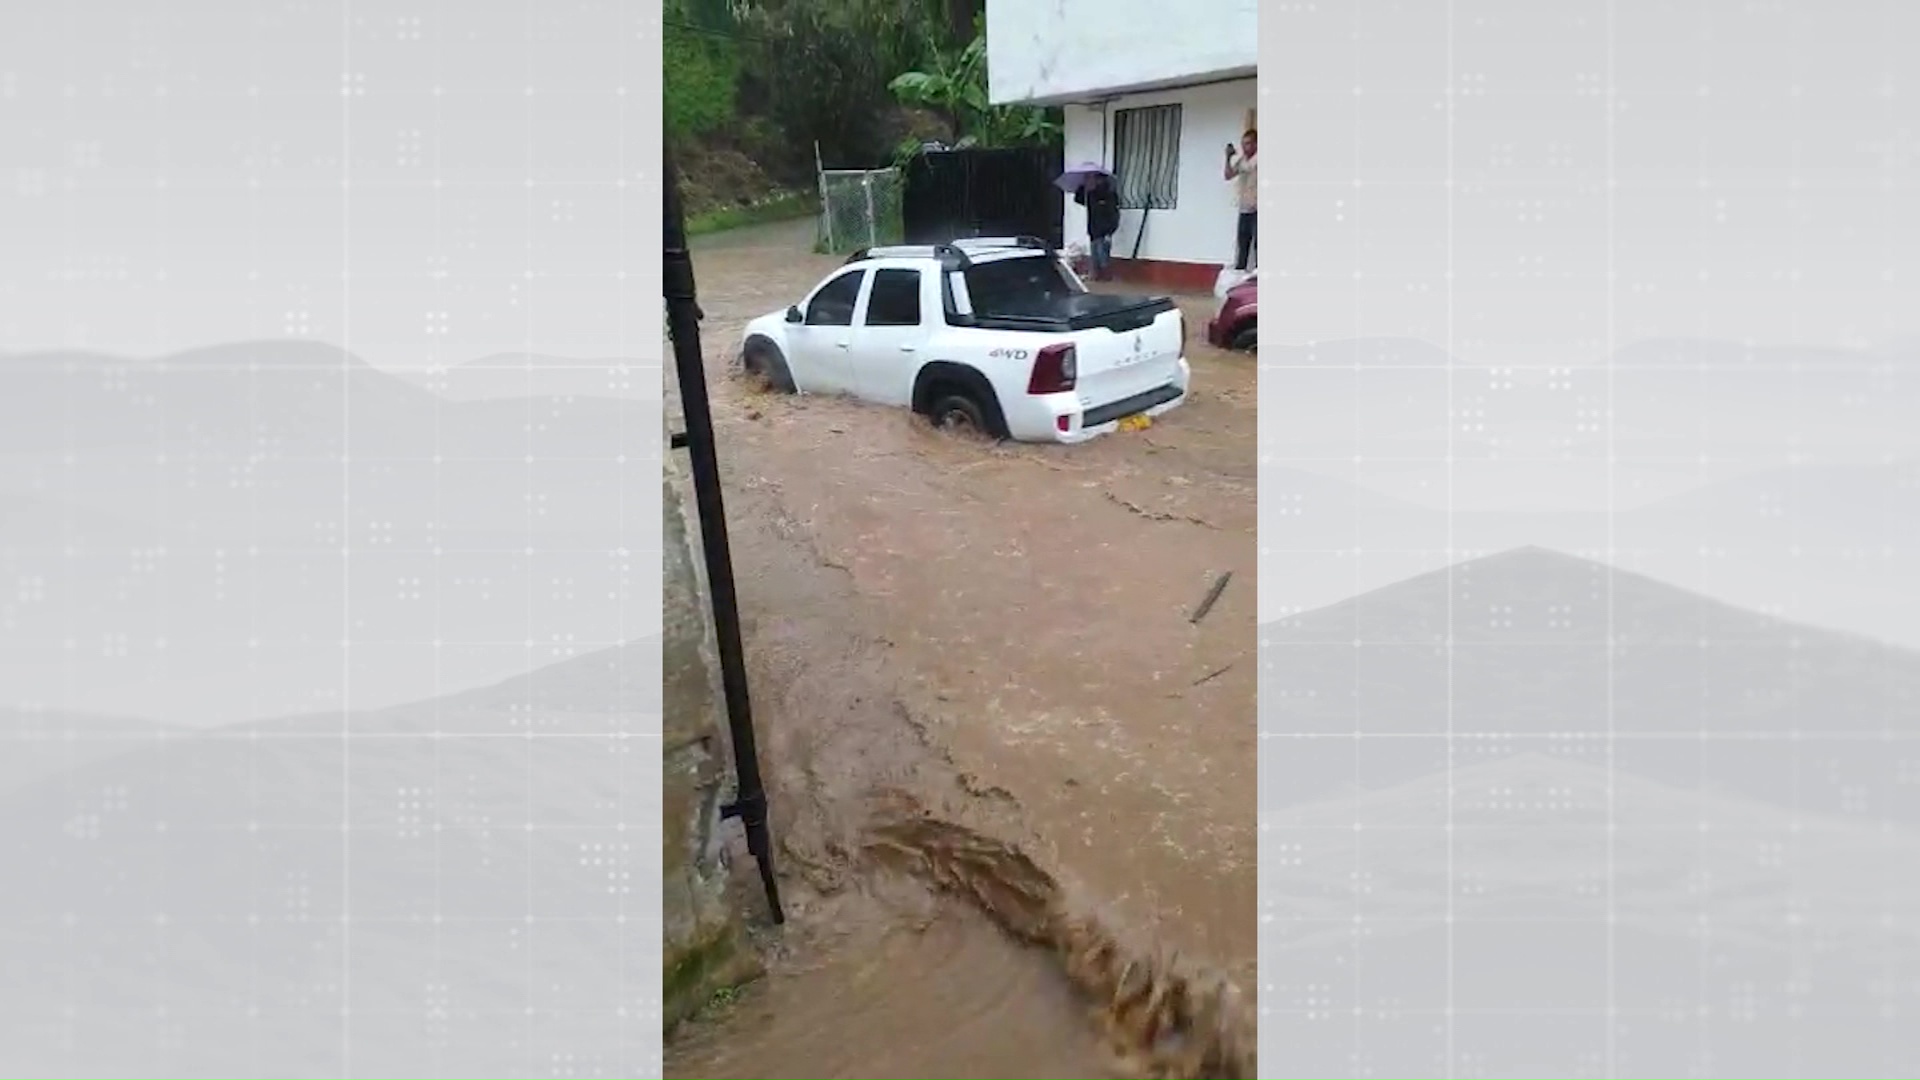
1213 597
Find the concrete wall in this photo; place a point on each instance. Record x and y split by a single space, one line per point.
1060 51
705 948
1200 229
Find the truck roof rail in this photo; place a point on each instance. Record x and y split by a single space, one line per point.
951 256
1002 243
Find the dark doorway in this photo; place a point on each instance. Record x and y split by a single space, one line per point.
953 194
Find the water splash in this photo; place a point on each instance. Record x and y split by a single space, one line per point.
1162 1019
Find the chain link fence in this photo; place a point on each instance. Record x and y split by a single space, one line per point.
859 208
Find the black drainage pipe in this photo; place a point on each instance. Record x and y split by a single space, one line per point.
683 324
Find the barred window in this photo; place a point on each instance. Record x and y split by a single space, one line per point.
1146 156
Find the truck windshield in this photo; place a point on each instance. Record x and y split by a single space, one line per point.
1018 284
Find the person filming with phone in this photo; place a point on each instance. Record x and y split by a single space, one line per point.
1243 171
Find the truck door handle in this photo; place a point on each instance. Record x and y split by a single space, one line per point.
843 344
908 348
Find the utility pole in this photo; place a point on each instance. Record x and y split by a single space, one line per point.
683 324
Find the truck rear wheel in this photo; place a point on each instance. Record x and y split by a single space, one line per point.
957 397
956 411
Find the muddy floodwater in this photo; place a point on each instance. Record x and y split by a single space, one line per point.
1012 782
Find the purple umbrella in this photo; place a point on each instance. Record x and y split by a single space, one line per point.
1076 178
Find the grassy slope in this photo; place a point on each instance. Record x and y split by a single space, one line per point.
780 207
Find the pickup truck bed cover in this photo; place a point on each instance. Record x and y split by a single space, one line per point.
1080 311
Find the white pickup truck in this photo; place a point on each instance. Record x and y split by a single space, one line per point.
997 335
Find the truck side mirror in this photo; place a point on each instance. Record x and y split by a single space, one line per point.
793 315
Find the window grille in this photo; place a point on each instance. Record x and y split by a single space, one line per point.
1146 156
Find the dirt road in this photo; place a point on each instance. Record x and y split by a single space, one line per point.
1000 636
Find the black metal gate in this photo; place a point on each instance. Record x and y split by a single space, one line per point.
953 194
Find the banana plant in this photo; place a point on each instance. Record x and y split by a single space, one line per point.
955 86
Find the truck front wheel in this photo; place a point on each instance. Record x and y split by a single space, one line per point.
761 359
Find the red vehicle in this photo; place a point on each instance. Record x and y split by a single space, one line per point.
1232 326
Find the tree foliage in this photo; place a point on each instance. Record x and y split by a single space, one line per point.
700 66
773 78
819 72
955 84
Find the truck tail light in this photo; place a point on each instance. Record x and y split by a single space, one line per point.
1053 370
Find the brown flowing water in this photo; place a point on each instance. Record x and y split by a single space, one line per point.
1160 1019
1009 776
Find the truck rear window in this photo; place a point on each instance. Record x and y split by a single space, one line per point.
1022 284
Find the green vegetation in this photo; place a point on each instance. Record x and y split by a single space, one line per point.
955 85
756 88
701 970
786 206
701 66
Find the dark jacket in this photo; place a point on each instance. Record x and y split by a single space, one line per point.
1103 210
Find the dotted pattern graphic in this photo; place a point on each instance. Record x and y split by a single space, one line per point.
330 442
1588 689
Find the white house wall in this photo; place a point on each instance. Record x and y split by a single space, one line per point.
1200 229
1061 51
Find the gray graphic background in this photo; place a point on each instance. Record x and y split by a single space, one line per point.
1573 286
1590 500
329 558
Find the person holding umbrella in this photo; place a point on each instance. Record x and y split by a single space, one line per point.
1103 220
1092 187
